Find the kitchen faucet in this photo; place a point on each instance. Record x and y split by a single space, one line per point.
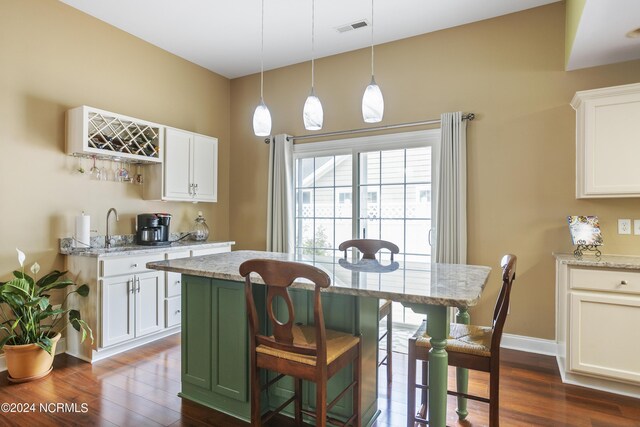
107 237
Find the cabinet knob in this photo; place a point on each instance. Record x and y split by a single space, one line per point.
623 282
177 311
178 282
134 265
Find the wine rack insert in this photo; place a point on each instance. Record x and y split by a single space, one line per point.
93 132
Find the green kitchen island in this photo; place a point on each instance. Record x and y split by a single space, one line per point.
215 359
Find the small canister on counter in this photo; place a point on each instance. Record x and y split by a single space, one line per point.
200 232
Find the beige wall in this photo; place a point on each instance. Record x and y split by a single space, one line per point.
52 58
521 154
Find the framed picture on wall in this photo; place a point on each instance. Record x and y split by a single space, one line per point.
585 230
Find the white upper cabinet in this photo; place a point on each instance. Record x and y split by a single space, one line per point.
177 177
608 142
189 171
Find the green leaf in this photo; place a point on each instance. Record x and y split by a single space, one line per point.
75 319
22 275
56 285
4 340
83 290
45 344
19 285
50 278
85 329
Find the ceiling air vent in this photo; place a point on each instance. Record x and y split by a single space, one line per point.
353 26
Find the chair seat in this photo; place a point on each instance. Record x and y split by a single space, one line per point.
468 339
338 343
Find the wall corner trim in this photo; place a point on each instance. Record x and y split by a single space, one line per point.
529 344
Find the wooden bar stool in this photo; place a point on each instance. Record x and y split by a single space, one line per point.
310 353
369 248
471 347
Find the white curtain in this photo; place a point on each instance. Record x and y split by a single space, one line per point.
451 216
280 195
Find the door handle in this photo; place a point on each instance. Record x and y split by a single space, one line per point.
131 285
138 281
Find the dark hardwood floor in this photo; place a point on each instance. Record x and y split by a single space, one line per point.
139 388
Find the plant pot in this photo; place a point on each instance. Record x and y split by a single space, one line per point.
29 362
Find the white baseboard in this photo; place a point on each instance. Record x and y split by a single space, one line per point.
60 348
529 344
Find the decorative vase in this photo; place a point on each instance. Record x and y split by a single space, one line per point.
29 362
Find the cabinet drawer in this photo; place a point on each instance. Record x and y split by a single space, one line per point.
127 265
173 287
172 311
609 280
210 251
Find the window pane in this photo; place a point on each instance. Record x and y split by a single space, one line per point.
392 201
419 164
369 201
324 203
343 231
324 236
304 173
419 201
371 228
418 237
324 172
393 231
344 202
392 166
370 168
343 169
304 203
304 233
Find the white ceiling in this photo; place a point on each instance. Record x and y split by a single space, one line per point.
224 35
601 36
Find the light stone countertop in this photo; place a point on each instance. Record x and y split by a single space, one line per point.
452 285
133 249
628 262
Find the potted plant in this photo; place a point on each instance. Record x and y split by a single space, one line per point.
30 326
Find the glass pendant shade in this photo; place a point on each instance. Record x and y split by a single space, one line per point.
372 103
262 120
312 113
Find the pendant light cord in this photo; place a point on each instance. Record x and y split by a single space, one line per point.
262 53
313 30
371 38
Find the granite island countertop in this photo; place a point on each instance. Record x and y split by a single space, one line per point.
628 262
455 285
133 249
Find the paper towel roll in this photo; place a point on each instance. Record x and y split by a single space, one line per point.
83 227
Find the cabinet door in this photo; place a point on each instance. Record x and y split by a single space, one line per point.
205 168
149 303
177 161
607 135
117 310
601 341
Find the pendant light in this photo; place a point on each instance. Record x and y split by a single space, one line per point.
372 101
312 113
262 116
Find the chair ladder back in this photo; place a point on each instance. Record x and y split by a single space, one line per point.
369 247
501 309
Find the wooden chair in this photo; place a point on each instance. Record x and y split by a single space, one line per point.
310 353
471 347
369 248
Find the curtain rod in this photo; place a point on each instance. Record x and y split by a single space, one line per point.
468 116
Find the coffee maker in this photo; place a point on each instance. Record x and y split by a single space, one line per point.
153 229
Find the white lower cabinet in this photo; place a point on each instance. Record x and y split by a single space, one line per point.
597 318
600 337
128 305
118 311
